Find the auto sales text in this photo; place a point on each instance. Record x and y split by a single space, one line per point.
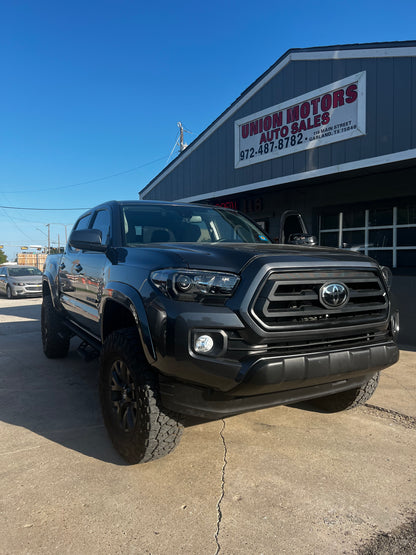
301 117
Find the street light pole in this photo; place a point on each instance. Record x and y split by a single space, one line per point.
49 237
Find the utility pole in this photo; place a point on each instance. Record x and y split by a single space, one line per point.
182 145
49 237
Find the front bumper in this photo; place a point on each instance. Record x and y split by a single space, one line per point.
26 290
282 380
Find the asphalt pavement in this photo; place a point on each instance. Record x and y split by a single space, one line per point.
283 480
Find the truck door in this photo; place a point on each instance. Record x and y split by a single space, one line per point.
81 276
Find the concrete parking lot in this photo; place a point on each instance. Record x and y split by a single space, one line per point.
282 480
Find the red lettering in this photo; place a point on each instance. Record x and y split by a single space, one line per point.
277 119
317 120
326 102
263 138
338 98
284 131
302 125
325 118
267 122
254 127
315 104
305 110
245 130
295 128
292 114
352 94
310 125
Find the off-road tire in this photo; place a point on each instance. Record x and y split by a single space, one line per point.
9 294
140 428
55 337
348 399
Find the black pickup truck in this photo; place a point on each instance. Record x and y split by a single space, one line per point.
194 310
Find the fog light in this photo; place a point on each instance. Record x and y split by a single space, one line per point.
204 344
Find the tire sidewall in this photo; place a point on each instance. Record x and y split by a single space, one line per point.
156 431
122 439
55 339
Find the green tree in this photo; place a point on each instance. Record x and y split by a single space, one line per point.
3 257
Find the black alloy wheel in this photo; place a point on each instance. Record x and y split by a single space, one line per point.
140 428
123 396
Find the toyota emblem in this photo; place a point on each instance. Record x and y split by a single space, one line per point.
333 295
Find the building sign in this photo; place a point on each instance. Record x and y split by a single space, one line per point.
247 205
332 113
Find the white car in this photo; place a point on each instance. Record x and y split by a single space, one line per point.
20 281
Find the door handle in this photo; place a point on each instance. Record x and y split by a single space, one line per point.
78 268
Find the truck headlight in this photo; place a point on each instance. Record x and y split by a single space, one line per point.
191 285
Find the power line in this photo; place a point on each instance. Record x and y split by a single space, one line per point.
87 182
44 209
15 224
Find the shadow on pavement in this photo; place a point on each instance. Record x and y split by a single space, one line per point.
55 399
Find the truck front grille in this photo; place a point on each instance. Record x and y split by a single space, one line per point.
290 300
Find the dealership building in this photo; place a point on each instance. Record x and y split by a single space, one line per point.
329 133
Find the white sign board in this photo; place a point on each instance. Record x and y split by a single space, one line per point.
332 113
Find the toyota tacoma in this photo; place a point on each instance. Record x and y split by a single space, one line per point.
193 310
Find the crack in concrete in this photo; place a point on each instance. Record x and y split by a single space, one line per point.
219 512
398 417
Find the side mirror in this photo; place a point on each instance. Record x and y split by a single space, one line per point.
87 240
302 239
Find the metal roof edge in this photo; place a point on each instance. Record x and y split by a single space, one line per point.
348 166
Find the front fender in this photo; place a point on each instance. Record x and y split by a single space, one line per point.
130 299
50 280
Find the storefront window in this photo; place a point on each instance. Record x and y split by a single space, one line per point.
353 239
380 217
354 218
387 234
329 239
406 237
381 238
329 221
406 215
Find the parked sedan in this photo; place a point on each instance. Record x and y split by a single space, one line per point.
20 281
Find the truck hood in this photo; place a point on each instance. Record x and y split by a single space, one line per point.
234 257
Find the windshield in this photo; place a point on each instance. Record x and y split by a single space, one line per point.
190 224
29 271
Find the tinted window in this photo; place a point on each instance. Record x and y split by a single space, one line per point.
22 271
178 223
354 218
83 222
406 214
381 216
102 222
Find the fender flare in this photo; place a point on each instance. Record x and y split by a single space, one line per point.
51 281
131 299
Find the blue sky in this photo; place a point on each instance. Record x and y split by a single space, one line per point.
91 91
